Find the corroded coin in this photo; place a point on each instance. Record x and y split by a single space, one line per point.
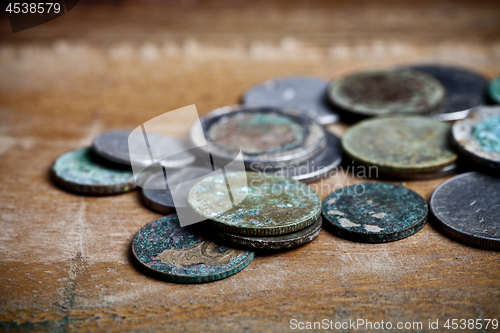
266 205
281 242
467 208
177 254
387 92
114 146
83 171
464 90
306 94
375 212
400 145
266 136
478 136
494 90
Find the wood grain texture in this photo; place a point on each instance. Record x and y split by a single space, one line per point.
65 259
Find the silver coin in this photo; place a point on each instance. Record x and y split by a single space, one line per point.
307 94
478 136
114 146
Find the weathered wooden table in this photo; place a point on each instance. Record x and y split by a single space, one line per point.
65 259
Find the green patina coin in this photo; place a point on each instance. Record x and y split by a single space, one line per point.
400 145
387 92
494 90
83 171
375 212
258 204
478 136
178 254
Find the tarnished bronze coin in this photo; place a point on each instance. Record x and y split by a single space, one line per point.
494 90
178 254
387 92
266 205
401 145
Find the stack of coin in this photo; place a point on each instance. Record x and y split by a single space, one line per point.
271 139
263 211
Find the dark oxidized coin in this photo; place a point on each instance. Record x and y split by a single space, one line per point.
259 204
494 90
478 136
467 208
464 90
400 145
177 254
84 172
281 242
375 212
306 94
266 136
387 92
114 146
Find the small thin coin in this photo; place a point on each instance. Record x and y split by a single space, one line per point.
320 166
478 136
258 204
177 254
266 136
494 90
387 92
281 242
114 146
467 208
83 171
307 94
375 212
400 145
464 90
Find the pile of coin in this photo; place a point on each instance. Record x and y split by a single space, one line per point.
277 136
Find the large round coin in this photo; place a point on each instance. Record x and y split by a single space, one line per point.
84 172
400 145
467 207
258 204
266 136
375 212
464 90
306 94
478 136
178 254
494 90
387 92
114 146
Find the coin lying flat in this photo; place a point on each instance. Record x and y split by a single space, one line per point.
494 90
387 92
267 205
114 146
375 212
464 90
281 242
478 136
84 172
467 208
306 94
266 136
400 145
177 254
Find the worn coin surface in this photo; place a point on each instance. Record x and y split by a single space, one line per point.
400 145
281 242
114 146
266 205
266 136
464 90
494 90
478 136
467 208
306 94
178 254
375 212
387 92
83 171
